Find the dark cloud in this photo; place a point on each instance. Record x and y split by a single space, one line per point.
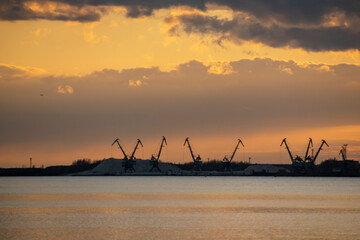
245 28
293 11
296 24
136 11
288 11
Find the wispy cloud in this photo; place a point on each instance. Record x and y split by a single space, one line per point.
286 70
89 36
10 72
67 89
221 68
135 83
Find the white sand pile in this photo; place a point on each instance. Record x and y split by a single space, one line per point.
113 166
260 168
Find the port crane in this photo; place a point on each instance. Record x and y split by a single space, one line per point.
130 163
154 161
318 151
227 162
288 149
343 152
197 160
307 162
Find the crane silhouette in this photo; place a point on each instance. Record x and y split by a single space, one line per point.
307 162
197 161
154 161
128 162
227 162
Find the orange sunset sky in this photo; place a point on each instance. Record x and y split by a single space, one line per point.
75 75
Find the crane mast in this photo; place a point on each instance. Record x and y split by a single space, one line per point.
122 150
161 146
317 153
284 141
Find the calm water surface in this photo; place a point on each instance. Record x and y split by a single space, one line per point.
179 208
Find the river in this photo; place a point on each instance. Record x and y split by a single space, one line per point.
179 208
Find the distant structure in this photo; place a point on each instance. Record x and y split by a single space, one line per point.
197 161
30 162
227 162
343 152
307 161
154 161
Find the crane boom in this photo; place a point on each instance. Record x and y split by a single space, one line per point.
236 148
191 152
308 147
161 146
284 141
317 153
117 141
136 147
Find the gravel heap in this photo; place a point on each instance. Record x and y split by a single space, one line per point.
113 166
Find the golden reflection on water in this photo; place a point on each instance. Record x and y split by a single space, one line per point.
179 215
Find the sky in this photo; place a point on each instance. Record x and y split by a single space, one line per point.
75 75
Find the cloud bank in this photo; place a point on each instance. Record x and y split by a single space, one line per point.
255 95
260 100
